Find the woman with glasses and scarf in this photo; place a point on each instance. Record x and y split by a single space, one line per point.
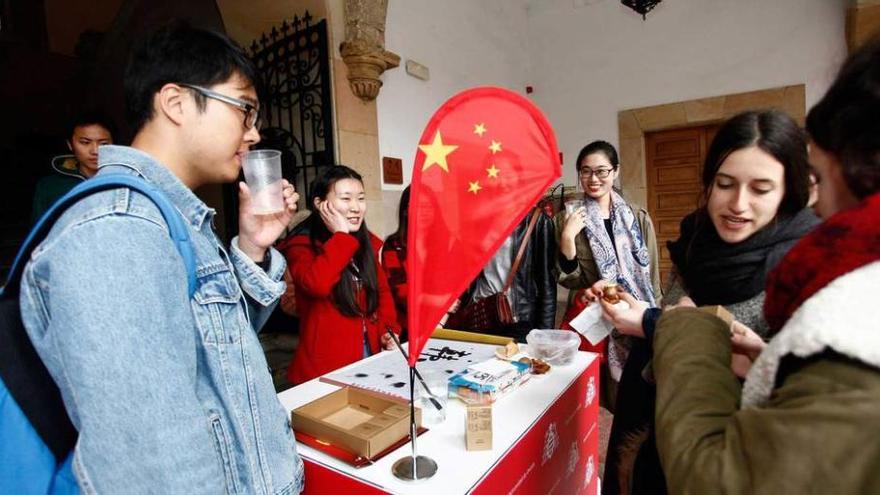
756 188
342 294
606 239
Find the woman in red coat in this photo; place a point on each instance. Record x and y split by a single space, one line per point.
342 294
394 261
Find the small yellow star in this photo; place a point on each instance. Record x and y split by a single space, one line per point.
474 187
436 152
480 129
493 172
495 146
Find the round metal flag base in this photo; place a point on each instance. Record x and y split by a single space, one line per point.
425 468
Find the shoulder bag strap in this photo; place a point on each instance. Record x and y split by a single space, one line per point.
522 249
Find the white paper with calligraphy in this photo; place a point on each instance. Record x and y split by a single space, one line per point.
389 373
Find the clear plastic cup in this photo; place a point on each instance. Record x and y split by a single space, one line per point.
262 172
572 205
433 404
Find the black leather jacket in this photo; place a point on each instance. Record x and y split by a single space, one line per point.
535 281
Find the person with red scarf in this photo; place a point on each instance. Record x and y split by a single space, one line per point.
342 294
394 262
807 417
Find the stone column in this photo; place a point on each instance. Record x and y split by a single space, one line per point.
363 50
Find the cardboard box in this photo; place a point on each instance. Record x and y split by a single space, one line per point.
356 420
720 312
478 427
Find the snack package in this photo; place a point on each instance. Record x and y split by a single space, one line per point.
485 382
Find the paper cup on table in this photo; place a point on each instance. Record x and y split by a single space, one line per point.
262 172
433 400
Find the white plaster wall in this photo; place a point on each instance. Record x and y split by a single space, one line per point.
464 43
589 59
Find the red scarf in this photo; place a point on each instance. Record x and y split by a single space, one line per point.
848 240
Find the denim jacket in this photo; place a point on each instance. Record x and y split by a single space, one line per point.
169 394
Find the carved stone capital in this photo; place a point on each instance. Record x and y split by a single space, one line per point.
363 50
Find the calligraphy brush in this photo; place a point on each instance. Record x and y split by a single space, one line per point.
418 375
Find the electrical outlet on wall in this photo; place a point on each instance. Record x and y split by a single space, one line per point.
417 70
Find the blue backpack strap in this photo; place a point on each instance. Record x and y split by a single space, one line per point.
176 226
21 370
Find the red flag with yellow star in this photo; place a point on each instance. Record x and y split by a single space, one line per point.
484 160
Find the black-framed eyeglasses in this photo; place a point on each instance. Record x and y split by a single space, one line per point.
251 113
601 173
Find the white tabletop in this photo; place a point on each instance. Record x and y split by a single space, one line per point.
458 470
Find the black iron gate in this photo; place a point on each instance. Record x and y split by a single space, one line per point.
296 107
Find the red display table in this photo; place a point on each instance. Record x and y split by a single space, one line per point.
545 440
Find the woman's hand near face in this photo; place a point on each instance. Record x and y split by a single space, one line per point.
574 224
333 219
386 342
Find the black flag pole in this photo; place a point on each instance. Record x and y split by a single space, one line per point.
432 397
414 467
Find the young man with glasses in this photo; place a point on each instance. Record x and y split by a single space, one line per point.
169 394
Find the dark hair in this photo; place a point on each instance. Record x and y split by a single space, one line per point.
845 121
86 117
603 147
180 53
778 135
344 293
402 221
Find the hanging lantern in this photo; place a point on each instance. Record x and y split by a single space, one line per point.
641 6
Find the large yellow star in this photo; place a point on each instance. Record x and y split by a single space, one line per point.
436 152
495 146
474 187
492 171
479 129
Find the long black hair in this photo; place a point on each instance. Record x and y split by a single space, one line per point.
845 121
778 135
771 131
399 236
603 147
363 263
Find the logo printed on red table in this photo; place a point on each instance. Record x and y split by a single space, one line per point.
591 392
572 415
573 457
551 441
590 471
522 478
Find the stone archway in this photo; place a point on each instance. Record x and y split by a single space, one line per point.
634 123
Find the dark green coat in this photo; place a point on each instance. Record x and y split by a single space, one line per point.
819 432
50 188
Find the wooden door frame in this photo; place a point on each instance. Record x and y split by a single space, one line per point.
634 123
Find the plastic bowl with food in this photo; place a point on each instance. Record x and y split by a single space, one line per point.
556 347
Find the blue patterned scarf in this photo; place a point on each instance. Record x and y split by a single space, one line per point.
631 270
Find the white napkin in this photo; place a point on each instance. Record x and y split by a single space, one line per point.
590 323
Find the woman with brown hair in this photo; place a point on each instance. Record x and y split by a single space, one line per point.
807 417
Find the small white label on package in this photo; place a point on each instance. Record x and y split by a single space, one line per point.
490 371
590 323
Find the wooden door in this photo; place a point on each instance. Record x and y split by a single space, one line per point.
674 162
